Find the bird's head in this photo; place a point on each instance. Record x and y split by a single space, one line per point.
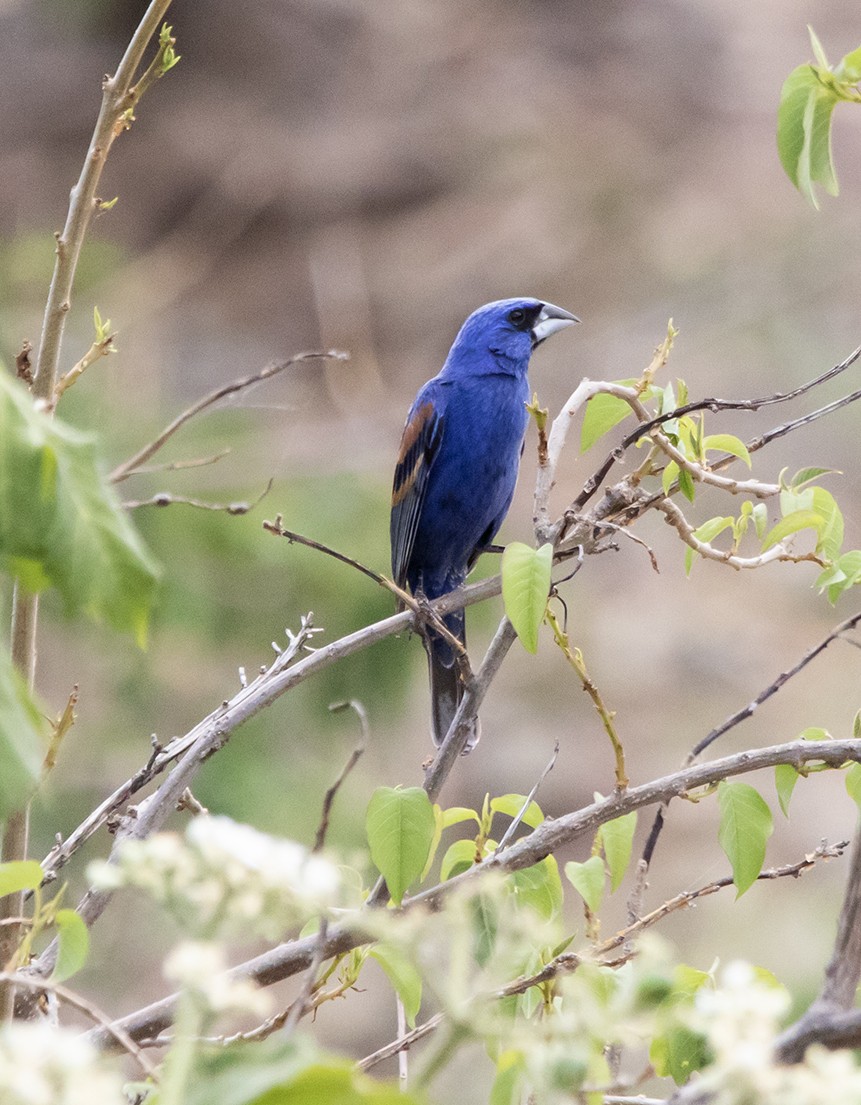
509 330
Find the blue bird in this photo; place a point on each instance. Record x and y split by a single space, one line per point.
457 467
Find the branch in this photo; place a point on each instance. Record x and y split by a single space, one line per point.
566 962
90 1010
81 207
715 405
842 975
164 498
133 464
686 531
294 956
355 756
746 712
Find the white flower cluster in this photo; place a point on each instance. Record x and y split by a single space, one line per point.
41 1065
201 969
223 878
741 1020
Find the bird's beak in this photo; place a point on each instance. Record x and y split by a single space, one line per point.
549 321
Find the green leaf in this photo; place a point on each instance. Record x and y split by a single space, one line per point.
61 522
603 412
525 587
19 874
845 572
73 940
284 1073
678 1053
459 857
539 887
831 533
617 838
760 519
512 804
686 484
745 826
485 920
785 778
400 828
588 880
21 744
509 1076
849 67
669 477
455 814
807 103
792 523
805 476
853 783
726 443
403 976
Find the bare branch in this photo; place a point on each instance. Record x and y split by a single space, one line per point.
742 715
842 975
686 531
295 956
355 756
164 498
69 997
124 470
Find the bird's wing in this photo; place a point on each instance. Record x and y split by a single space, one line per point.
419 445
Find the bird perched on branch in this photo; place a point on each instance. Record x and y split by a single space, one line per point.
457 467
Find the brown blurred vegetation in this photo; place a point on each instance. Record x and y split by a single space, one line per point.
331 173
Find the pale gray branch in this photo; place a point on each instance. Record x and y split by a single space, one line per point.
297 955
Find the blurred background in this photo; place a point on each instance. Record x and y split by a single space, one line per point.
337 174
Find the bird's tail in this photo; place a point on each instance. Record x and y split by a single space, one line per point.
445 684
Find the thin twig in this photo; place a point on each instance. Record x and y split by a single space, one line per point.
124 470
165 498
296 955
421 608
747 711
355 756
714 405
508 835
82 203
83 1005
179 465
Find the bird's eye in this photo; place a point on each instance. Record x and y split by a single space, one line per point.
517 316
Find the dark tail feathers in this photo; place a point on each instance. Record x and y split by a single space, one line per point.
445 685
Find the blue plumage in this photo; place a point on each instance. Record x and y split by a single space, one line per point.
457 467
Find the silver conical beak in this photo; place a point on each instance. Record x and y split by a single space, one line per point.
549 321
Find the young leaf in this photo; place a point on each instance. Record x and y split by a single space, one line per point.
455 814
61 522
603 412
588 880
831 533
617 838
73 938
785 778
19 874
745 826
506 1089
805 476
678 1053
404 977
669 477
727 443
792 523
525 587
21 745
686 484
400 828
512 804
539 887
853 783
459 857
